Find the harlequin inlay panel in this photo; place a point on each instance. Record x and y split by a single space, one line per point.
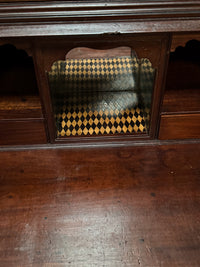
101 96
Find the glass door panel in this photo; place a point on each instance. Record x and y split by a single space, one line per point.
101 92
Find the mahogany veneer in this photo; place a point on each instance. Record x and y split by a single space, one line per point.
125 206
48 30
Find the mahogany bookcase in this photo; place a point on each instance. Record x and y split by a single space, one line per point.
36 34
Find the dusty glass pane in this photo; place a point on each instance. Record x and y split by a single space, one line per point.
101 96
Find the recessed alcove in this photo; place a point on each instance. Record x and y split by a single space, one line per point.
101 92
182 92
19 95
180 115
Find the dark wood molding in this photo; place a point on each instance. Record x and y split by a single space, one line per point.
55 18
124 143
87 10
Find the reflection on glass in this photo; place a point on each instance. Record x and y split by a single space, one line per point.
99 96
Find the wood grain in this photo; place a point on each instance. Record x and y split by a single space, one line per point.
22 132
24 106
182 100
180 39
56 18
85 52
179 126
131 206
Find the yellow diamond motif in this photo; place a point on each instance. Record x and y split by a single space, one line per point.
135 128
63 124
85 114
95 113
107 120
68 132
112 120
111 112
68 123
117 120
128 119
123 120
116 111
96 121
119 129
62 132
79 123
73 132
90 121
141 128
138 110
124 128
90 112
101 120
106 112
85 131
96 130
74 114
113 129
79 132
91 131
134 119
100 112
85 122
102 129
73 123
79 114
108 130
130 128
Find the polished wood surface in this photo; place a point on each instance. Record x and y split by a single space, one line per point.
55 18
24 106
181 101
85 52
122 206
22 132
48 30
180 39
180 126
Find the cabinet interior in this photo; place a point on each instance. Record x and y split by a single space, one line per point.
182 92
101 92
19 95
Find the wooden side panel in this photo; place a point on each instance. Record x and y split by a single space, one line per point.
22 132
181 101
180 126
180 39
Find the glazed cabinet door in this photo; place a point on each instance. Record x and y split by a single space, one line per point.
102 88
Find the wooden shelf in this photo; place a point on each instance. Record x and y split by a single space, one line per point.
181 101
15 107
